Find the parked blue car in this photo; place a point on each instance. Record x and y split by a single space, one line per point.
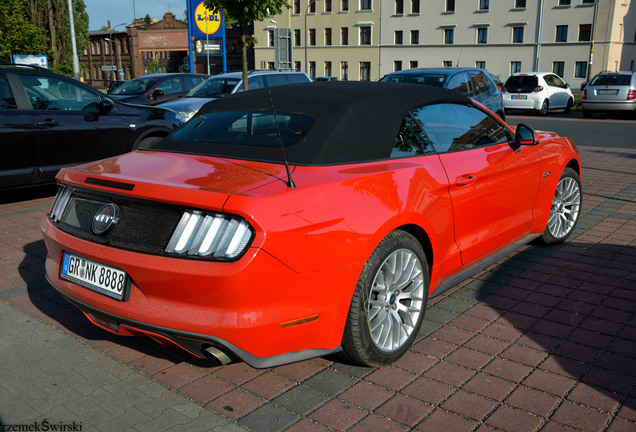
472 82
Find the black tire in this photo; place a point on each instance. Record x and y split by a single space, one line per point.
545 108
566 208
569 106
365 341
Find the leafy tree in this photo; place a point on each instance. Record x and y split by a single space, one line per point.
17 34
245 11
51 21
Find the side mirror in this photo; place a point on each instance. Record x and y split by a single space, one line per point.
524 135
567 85
156 94
106 105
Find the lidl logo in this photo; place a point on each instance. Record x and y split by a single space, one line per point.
206 21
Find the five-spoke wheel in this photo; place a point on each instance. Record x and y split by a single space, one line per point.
566 207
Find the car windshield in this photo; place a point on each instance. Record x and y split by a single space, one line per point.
135 87
436 80
249 134
214 88
613 79
521 81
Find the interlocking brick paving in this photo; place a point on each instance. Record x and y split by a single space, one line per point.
544 340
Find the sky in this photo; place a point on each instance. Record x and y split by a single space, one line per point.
121 11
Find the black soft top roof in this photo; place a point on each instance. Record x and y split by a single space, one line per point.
354 121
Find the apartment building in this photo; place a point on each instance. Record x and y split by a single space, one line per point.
366 39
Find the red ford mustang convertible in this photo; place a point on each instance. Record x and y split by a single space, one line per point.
283 224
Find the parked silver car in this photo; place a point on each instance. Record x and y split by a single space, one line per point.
228 83
610 91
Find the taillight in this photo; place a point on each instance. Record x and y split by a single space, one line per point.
584 94
537 89
221 237
631 95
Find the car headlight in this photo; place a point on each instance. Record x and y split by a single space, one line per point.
186 115
216 236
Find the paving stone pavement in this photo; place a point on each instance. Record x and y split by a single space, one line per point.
544 340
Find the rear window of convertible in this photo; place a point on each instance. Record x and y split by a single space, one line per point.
229 133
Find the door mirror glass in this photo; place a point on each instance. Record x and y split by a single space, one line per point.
525 135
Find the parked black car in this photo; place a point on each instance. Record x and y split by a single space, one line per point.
157 88
48 121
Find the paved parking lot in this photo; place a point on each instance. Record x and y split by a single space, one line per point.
542 341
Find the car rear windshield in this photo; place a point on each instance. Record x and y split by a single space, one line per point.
436 80
521 81
214 88
249 134
613 79
135 87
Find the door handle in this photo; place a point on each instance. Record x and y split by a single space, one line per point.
466 180
47 123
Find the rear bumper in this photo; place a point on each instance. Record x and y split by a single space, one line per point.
256 309
609 106
527 104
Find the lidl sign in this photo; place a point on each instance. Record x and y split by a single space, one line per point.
207 22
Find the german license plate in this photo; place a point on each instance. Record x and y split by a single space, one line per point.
607 92
519 96
102 278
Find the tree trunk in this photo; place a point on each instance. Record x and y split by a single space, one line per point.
244 55
56 57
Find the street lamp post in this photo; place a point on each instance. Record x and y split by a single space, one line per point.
110 39
306 12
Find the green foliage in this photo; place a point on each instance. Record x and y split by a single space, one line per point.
17 34
42 27
153 66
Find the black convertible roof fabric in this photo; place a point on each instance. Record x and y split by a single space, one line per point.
354 121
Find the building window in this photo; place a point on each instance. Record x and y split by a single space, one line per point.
270 38
397 65
558 67
328 68
447 63
484 4
449 36
312 7
327 36
480 64
365 35
561 33
297 66
413 64
345 5
585 32
520 4
399 7
312 69
482 35
327 5
564 2
515 67
399 40
296 37
415 37
344 35
344 71
415 6
312 37
580 70
450 5
297 7
588 1
365 71
270 65
517 34
365 4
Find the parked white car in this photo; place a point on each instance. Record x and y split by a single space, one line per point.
538 91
